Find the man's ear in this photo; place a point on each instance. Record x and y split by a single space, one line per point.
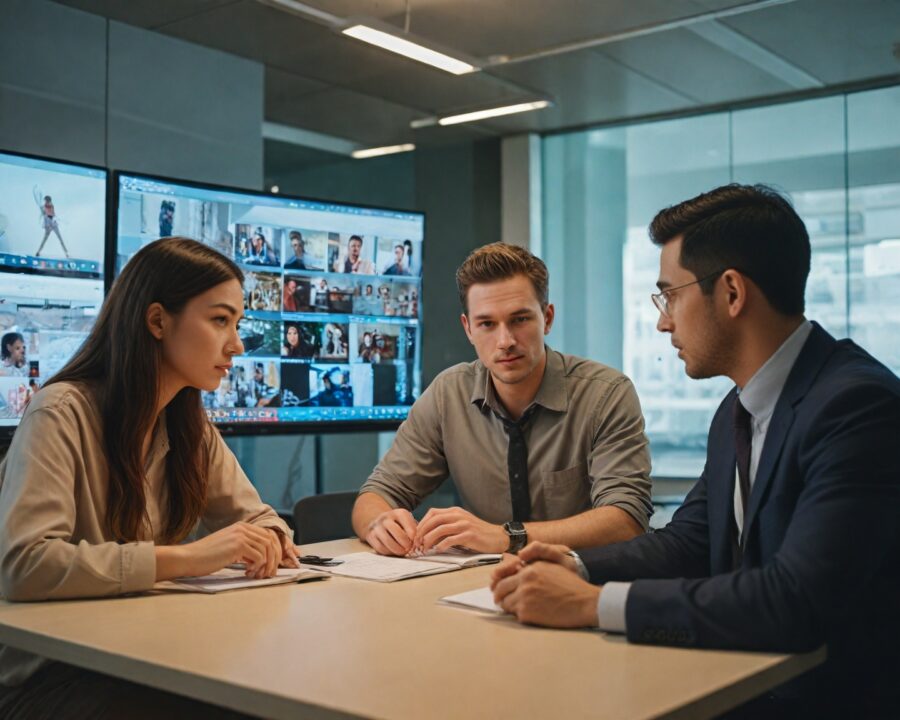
736 290
549 314
156 319
464 319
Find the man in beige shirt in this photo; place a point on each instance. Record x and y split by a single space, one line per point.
540 445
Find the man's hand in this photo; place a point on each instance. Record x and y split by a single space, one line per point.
392 532
511 564
442 529
545 591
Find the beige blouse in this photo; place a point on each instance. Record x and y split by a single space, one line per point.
54 542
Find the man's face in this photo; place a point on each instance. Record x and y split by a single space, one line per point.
291 286
506 325
297 244
398 255
700 335
353 249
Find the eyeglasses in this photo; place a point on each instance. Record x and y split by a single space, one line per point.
661 299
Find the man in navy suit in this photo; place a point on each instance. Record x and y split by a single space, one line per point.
791 537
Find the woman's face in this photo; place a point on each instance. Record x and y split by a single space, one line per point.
258 242
199 342
293 337
16 350
367 340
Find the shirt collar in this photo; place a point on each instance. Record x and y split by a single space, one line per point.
551 395
762 391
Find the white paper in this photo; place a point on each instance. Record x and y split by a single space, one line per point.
234 579
381 568
480 599
461 558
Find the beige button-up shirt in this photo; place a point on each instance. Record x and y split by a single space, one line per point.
586 444
54 542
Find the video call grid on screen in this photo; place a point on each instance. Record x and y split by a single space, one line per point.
332 299
52 254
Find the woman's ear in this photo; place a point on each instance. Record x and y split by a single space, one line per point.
156 320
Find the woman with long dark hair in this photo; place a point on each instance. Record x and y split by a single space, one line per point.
115 463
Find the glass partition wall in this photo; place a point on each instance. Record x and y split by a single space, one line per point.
837 157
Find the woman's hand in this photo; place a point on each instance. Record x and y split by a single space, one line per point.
261 550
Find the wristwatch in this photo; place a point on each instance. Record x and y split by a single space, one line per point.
518 537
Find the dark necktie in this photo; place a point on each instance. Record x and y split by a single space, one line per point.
517 465
742 440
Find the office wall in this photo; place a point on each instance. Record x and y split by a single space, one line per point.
77 87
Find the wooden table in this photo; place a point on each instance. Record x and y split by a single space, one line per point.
353 648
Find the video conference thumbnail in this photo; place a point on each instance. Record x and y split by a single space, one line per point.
52 217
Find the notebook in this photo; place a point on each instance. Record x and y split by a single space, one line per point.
234 579
382 568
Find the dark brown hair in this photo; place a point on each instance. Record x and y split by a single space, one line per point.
750 228
500 261
121 361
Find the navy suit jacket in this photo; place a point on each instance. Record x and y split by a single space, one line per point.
821 561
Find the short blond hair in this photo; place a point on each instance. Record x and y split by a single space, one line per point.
500 261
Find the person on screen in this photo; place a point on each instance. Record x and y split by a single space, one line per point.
789 540
12 352
336 390
50 224
166 218
289 299
368 352
261 252
540 445
351 262
399 265
301 259
115 463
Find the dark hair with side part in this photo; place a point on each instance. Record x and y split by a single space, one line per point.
121 361
500 261
749 228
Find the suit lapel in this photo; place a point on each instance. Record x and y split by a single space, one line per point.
720 491
816 350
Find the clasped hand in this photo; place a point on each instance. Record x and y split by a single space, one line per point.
262 550
395 532
541 586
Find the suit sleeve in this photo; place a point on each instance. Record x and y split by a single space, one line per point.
841 529
681 549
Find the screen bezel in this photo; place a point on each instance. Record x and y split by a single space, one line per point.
7 431
279 428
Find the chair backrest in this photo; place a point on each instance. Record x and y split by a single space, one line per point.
323 517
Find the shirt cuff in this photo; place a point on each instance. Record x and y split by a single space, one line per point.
611 607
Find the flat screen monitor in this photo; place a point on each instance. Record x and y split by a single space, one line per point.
332 327
52 242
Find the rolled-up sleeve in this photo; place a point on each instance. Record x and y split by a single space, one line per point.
619 463
416 464
38 559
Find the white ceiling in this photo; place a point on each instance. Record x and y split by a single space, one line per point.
641 57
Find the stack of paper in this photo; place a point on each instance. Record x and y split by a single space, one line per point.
234 579
480 599
381 568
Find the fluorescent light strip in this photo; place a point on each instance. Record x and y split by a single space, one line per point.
409 49
386 150
493 112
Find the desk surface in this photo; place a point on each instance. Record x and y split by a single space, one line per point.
353 648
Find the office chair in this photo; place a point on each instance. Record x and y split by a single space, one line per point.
323 517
